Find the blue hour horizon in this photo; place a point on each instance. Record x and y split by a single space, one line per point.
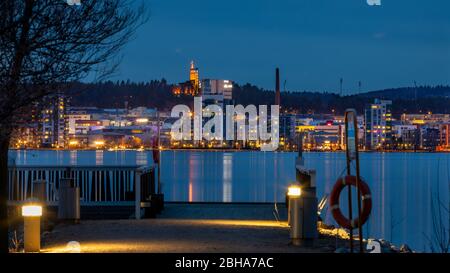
314 44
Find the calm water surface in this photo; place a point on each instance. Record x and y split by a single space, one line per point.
403 185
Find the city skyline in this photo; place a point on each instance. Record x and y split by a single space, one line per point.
381 46
245 130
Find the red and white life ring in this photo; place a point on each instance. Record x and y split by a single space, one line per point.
366 208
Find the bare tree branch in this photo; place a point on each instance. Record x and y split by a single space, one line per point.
46 44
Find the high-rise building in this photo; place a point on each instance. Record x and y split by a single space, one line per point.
222 88
429 138
378 125
287 129
217 92
194 78
53 122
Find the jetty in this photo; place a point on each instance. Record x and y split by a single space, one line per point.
188 228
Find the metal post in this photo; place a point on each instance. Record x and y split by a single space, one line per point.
300 144
137 195
348 160
159 155
353 155
299 160
358 188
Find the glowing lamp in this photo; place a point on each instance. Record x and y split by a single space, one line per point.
142 120
32 227
294 191
73 142
32 211
99 143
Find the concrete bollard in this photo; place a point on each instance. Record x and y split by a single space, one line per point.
303 217
69 201
40 194
32 227
295 216
40 190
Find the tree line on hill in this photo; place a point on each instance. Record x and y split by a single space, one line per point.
158 94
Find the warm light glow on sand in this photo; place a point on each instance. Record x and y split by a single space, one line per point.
193 242
99 247
121 245
339 232
251 223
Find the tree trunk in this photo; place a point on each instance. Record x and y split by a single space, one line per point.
4 146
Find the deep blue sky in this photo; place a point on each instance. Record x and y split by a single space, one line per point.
314 42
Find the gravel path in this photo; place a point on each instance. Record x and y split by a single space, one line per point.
178 235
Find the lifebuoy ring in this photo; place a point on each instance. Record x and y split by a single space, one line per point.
366 207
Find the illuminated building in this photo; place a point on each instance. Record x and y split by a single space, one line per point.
176 90
405 136
120 137
193 78
223 88
216 92
422 119
73 119
25 133
378 125
287 129
52 126
429 138
444 137
191 87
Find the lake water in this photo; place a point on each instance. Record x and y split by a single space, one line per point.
403 185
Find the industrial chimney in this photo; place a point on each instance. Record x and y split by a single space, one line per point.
277 86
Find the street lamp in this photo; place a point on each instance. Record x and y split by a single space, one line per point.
32 227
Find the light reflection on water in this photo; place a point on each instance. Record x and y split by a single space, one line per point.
99 157
401 183
227 177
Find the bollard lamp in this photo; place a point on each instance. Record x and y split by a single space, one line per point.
294 191
32 213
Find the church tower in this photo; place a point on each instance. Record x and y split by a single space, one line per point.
193 77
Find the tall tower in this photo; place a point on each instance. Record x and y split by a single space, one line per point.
193 77
277 86
378 124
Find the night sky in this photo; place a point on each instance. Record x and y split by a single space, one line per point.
314 42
